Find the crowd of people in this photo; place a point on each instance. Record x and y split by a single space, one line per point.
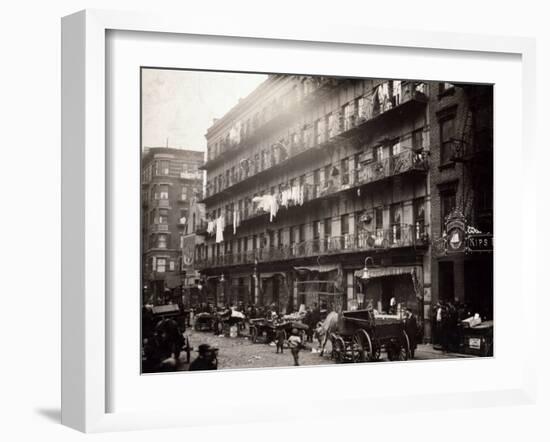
163 338
447 318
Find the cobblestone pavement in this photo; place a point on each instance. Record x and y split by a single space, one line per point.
241 353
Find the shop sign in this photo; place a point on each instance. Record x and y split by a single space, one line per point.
455 226
188 250
480 242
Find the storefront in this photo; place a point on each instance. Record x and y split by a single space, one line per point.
321 285
391 289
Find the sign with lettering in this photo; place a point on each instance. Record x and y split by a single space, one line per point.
480 242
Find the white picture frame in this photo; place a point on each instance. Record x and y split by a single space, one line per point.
86 205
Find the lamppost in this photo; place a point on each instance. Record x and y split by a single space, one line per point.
366 274
222 282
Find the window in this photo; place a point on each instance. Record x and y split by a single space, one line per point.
380 153
316 229
448 203
344 224
172 265
419 218
396 212
331 123
344 166
184 193
316 235
161 265
301 233
320 131
417 143
316 181
379 218
280 238
446 134
271 238
395 148
349 116
163 216
163 192
328 227
245 244
164 167
254 242
162 241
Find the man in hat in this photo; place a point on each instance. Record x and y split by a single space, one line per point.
411 327
207 359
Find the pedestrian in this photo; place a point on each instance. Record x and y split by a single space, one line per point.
206 360
307 320
295 344
411 327
280 336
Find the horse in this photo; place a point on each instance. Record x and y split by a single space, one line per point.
325 329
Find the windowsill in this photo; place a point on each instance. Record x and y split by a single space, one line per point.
449 165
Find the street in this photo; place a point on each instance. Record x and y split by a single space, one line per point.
241 353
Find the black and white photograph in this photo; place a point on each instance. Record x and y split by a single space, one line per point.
301 220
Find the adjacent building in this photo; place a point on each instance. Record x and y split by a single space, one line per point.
170 181
461 187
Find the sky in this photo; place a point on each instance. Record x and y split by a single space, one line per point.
179 106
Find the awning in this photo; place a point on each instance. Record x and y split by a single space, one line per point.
323 268
165 309
265 275
379 272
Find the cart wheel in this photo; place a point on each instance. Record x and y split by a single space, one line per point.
361 347
338 349
399 350
253 334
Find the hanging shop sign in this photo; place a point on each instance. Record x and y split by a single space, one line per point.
455 227
459 237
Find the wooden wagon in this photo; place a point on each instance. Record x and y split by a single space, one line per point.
265 330
361 337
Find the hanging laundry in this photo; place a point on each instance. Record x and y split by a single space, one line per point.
220 225
211 227
397 92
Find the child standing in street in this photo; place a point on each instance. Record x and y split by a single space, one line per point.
295 344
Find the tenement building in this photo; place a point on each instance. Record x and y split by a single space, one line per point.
170 180
318 192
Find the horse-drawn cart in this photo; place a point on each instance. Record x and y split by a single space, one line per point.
266 331
362 336
204 321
